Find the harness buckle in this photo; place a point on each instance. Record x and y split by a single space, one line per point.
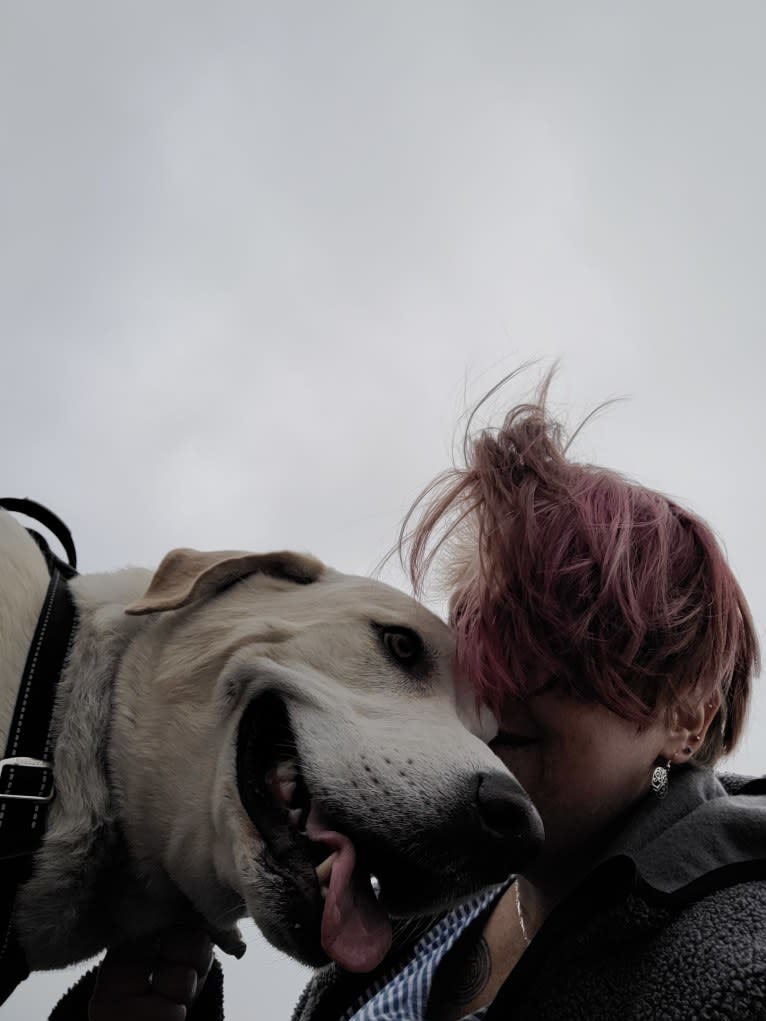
25 761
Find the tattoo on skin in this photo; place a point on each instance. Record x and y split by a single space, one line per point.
469 980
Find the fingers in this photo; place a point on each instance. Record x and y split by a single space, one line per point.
120 977
190 947
148 1008
155 980
175 982
123 993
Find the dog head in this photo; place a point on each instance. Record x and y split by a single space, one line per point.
284 732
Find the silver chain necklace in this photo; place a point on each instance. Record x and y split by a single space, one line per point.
522 923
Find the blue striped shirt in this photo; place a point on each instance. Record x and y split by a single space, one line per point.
404 996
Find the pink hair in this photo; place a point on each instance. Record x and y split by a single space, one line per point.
571 575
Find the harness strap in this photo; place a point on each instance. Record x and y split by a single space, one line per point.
53 523
26 771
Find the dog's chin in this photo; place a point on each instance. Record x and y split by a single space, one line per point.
288 916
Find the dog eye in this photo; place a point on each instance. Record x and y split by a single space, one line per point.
404 645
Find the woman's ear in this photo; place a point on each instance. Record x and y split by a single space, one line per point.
688 723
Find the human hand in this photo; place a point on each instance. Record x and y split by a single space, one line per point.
156 980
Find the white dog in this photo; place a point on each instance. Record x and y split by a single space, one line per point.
242 733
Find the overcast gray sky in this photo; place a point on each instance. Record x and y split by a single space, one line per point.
257 259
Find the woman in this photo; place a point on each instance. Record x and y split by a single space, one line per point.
602 624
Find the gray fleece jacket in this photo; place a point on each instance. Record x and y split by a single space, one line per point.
670 925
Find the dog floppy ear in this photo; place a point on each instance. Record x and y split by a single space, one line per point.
188 575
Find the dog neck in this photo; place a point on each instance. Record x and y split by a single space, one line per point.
84 863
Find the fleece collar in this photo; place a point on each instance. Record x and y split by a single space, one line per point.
709 830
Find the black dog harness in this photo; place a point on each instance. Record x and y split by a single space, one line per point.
26 771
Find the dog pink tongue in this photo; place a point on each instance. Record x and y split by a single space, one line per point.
356 931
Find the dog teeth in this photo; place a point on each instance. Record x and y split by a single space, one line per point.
294 816
324 869
286 790
286 771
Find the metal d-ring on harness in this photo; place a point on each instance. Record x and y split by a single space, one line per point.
26 771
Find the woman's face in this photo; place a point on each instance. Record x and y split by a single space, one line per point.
581 764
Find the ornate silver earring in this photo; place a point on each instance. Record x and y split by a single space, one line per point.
660 780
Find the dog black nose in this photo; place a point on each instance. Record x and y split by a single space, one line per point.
502 803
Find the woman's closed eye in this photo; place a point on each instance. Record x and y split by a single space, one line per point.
514 739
